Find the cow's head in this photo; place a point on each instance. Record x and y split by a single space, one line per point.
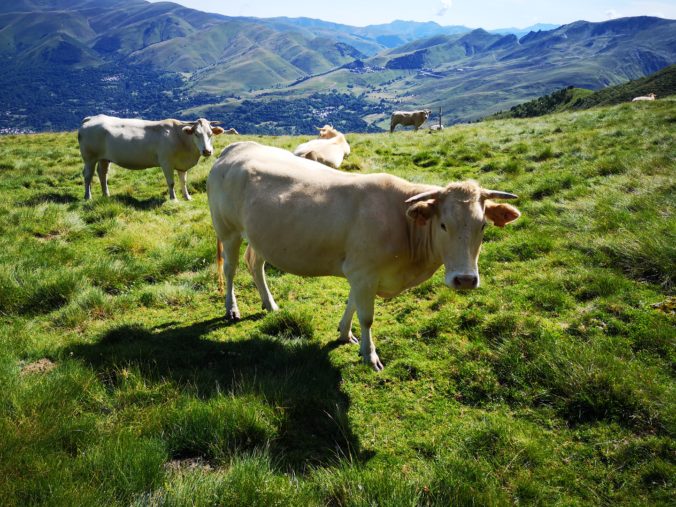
427 113
327 132
457 216
201 132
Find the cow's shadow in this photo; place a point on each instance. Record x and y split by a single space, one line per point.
139 204
295 377
50 197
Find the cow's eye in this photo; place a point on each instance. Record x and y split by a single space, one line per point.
443 226
483 226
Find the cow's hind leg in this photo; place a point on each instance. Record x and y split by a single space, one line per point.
231 246
345 326
88 173
256 265
183 179
102 169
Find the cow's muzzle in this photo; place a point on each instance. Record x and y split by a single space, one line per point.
207 153
462 281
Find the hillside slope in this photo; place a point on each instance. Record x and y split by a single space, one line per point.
552 384
662 83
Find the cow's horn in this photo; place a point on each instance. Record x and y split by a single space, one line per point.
215 123
189 123
430 194
497 194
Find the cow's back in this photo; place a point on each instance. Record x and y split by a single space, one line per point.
300 216
128 142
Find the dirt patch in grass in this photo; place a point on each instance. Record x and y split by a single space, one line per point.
187 465
667 306
43 365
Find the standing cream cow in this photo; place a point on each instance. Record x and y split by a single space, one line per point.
140 144
414 118
329 149
382 233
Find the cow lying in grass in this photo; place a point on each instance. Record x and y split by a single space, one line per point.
329 149
140 144
382 233
650 96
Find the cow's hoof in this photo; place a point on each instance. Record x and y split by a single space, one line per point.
187 198
374 362
351 339
232 316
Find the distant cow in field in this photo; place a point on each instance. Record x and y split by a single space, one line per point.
435 128
140 144
382 233
650 96
415 118
329 149
231 132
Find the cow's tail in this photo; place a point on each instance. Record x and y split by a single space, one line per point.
219 265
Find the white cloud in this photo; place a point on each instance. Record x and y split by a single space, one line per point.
445 5
611 14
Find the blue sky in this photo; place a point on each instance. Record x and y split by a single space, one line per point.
472 13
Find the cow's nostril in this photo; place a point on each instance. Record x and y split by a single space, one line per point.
206 153
465 281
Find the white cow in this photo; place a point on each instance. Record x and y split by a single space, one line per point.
140 144
382 233
650 96
329 149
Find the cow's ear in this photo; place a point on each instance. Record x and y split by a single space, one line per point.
500 213
217 131
189 130
422 211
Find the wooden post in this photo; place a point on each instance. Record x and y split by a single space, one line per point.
439 118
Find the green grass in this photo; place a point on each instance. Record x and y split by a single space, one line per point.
550 385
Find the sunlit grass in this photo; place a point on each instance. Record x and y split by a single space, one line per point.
551 384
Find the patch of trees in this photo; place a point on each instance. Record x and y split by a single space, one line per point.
540 106
56 98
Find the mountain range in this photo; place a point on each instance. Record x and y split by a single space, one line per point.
65 59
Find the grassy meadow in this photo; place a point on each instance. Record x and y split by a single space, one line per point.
552 384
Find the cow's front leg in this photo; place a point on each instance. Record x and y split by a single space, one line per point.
88 173
364 297
168 171
256 265
183 179
345 326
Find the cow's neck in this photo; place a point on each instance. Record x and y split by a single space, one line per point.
190 155
421 243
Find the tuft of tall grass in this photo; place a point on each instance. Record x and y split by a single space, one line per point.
288 325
